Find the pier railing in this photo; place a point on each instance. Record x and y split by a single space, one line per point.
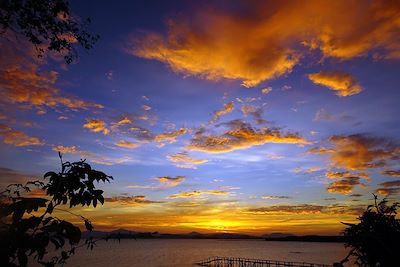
243 262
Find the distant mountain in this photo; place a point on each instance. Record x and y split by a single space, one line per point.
277 235
127 234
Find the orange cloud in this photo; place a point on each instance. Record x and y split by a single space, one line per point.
199 193
266 90
344 186
228 108
267 39
171 181
170 137
242 136
358 152
320 150
345 174
14 137
22 82
131 200
344 84
96 126
126 144
389 188
183 160
306 209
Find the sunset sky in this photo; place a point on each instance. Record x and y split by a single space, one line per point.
234 116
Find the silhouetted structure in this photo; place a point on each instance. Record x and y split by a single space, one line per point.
243 262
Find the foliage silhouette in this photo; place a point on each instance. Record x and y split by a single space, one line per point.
47 24
375 239
28 230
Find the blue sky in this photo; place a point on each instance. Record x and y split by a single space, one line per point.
167 110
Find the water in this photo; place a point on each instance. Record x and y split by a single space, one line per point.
183 252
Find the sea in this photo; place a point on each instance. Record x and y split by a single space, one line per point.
186 252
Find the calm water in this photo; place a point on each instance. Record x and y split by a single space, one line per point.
161 252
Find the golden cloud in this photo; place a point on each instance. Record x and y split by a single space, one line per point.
345 174
131 200
14 137
306 209
228 108
358 152
170 137
266 90
268 39
242 136
96 126
171 181
199 193
183 160
388 191
343 83
344 186
22 82
126 144
389 188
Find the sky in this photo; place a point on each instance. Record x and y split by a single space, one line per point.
216 116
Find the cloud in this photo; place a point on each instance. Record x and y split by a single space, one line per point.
199 193
126 144
241 136
323 115
22 81
275 197
256 112
228 108
343 83
344 186
390 183
388 191
389 188
131 200
320 150
345 174
303 208
306 209
170 137
394 173
275 156
266 90
14 137
8 176
171 181
183 160
99 159
267 39
360 152
96 126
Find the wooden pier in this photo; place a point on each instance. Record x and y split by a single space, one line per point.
243 262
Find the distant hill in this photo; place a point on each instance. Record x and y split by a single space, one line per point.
126 234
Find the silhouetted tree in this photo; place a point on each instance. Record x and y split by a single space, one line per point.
28 228
48 24
375 240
